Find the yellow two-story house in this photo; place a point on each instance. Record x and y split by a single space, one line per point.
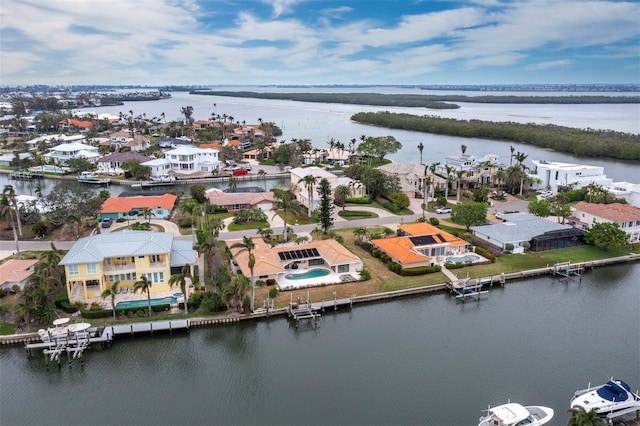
94 263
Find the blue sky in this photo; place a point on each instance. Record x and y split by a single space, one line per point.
157 42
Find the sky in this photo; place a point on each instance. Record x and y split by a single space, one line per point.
321 42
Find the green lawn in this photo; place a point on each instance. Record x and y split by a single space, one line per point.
356 214
532 260
244 226
7 329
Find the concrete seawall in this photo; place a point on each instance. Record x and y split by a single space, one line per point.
15 339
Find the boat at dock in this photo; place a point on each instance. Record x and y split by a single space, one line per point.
90 177
512 414
612 399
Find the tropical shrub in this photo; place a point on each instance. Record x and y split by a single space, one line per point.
273 292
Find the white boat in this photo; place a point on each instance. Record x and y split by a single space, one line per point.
90 177
614 397
512 414
62 329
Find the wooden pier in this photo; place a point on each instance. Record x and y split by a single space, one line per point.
75 344
472 287
312 311
25 175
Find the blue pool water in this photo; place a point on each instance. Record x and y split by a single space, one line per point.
312 273
462 259
144 303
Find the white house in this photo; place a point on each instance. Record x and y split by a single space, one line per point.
67 151
159 167
627 217
112 164
51 139
628 191
188 159
301 191
551 174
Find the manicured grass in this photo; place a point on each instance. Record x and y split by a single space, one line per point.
356 214
532 260
7 329
244 226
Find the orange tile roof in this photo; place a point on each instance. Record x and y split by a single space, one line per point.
210 145
234 142
268 262
400 248
126 204
423 228
615 212
76 123
14 270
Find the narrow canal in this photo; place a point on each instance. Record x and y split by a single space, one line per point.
419 360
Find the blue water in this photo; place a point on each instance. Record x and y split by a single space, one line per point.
313 273
462 259
144 303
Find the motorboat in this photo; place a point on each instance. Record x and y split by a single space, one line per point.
613 397
90 177
61 329
512 414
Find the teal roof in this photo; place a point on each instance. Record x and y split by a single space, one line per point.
128 243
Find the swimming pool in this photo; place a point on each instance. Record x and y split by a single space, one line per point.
144 303
462 259
312 273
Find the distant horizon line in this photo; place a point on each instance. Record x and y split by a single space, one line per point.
480 86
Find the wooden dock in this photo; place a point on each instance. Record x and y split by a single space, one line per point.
472 287
25 176
312 311
567 270
75 344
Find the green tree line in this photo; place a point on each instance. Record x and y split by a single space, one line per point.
445 101
583 142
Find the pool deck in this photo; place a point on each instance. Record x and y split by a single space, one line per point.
332 278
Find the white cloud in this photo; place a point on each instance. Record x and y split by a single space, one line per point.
547 65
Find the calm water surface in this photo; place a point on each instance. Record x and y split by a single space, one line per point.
420 360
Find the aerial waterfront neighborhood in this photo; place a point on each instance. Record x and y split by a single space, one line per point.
219 221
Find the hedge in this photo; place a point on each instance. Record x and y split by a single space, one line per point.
359 200
420 270
104 313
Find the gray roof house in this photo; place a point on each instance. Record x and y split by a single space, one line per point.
94 263
520 228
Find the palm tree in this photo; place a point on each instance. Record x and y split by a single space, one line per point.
263 175
181 279
420 148
111 291
341 194
520 157
144 285
463 148
459 175
10 193
579 417
309 183
7 212
233 182
247 245
147 213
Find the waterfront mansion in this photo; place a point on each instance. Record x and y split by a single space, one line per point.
94 263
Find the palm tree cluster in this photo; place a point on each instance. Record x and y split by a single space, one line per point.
36 302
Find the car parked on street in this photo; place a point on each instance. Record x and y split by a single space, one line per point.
442 210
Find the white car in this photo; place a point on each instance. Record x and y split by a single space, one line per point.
546 194
441 210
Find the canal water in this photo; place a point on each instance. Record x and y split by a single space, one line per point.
426 360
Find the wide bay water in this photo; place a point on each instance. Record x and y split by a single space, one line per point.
418 360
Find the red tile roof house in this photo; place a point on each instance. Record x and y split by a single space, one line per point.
421 245
16 272
626 216
241 200
121 207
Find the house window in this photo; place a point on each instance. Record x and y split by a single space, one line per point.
316 262
594 220
91 268
156 258
73 270
343 268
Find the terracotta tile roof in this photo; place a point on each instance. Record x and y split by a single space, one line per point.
615 212
220 198
126 204
76 123
268 261
234 142
14 270
210 145
400 248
